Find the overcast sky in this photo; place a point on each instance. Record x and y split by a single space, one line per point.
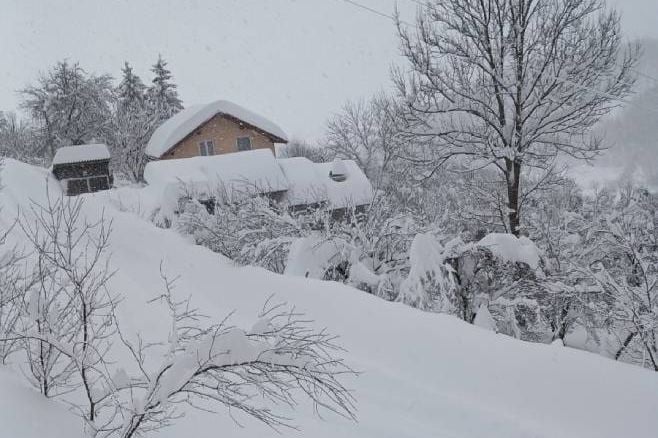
295 61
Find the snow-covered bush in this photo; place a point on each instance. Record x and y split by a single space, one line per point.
620 269
430 284
11 294
250 230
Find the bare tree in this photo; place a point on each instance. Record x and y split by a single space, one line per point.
17 138
623 269
511 84
68 310
367 132
302 148
11 293
68 106
219 364
132 127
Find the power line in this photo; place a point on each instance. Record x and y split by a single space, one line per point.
575 84
421 3
378 12
369 9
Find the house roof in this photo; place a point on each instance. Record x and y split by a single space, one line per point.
311 183
174 130
81 154
249 171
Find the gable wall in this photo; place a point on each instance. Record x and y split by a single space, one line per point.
224 132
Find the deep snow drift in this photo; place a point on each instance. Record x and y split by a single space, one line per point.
423 374
24 413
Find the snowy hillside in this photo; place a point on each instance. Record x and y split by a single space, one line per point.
422 374
26 414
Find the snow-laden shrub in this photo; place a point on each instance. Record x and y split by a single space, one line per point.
249 230
11 294
319 257
430 284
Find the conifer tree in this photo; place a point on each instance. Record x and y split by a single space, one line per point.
131 90
162 96
133 124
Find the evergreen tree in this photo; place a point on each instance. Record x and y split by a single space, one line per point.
162 96
131 90
133 124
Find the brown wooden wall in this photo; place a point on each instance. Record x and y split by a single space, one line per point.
224 132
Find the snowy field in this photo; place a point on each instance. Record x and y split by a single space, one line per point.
422 374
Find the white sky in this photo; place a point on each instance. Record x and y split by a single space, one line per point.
295 61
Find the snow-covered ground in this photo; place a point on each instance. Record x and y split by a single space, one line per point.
26 414
422 374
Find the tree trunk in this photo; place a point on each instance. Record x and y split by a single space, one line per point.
513 176
625 344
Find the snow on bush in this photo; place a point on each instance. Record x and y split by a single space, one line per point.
317 257
429 284
512 249
483 318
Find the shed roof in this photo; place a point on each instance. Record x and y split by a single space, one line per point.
81 154
174 130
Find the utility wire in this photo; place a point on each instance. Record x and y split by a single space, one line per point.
422 3
592 90
369 9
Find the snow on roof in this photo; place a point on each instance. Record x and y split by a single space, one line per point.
182 124
310 183
512 249
255 170
81 154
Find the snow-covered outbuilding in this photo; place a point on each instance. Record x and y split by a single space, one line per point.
216 128
83 168
340 184
297 183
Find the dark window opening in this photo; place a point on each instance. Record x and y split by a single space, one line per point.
77 186
244 144
98 183
338 177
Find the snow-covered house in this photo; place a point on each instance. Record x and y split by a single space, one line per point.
238 174
215 128
83 169
297 183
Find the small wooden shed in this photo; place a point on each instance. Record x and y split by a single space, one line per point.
83 169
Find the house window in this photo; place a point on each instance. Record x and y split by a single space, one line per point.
244 143
206 147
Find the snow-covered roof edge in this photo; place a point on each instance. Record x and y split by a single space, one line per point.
81 154
311 183
178 127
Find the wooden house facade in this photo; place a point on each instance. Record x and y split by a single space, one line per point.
216 128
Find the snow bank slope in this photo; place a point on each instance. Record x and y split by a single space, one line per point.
424 375
25 414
